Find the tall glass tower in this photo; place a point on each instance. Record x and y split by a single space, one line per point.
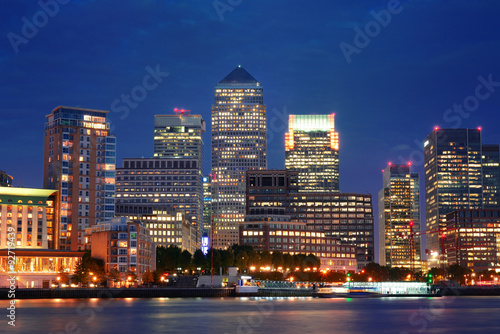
79 161
238 145
399 211
312 149
453 178
177 137
491 176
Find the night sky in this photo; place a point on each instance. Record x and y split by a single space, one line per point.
388 89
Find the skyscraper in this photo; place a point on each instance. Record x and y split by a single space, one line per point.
491 176
453 178
147 185
399 218
79 161
180 136
312 149
238 145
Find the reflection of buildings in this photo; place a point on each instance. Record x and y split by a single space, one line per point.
238 144
79 161
312 149
37 268
5 179
298 238
124 245
399 212
473 240
144 185
31 215
460 173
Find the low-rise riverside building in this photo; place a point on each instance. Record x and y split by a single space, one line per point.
36 268
124 245
298 238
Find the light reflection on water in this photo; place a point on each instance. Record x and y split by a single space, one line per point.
258 315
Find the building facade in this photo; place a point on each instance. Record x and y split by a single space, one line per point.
312 149
79 162
473 239
37 268
123 245
166 226
399 218
298 238
455 178
491 176
179 136
151 182
344 216
32 215
5 179
207 205
238 145
273 195
268 194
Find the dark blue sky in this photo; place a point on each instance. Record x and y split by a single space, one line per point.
387 99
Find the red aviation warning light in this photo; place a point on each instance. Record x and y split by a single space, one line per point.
181 111
479 128
436 128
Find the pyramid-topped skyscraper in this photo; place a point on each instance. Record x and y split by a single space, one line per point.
238 145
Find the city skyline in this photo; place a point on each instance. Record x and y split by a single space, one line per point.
250 166
406 70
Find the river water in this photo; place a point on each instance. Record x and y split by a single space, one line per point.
256 315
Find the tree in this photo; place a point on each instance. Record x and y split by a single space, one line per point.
458 273
434 275
312 261
266 259
199 260
217 260
114 275
377 272
278 260
288 262
131 277
399 274
241 260
167 258
185 259
299 261
227 258
89 267
148 277
254 259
